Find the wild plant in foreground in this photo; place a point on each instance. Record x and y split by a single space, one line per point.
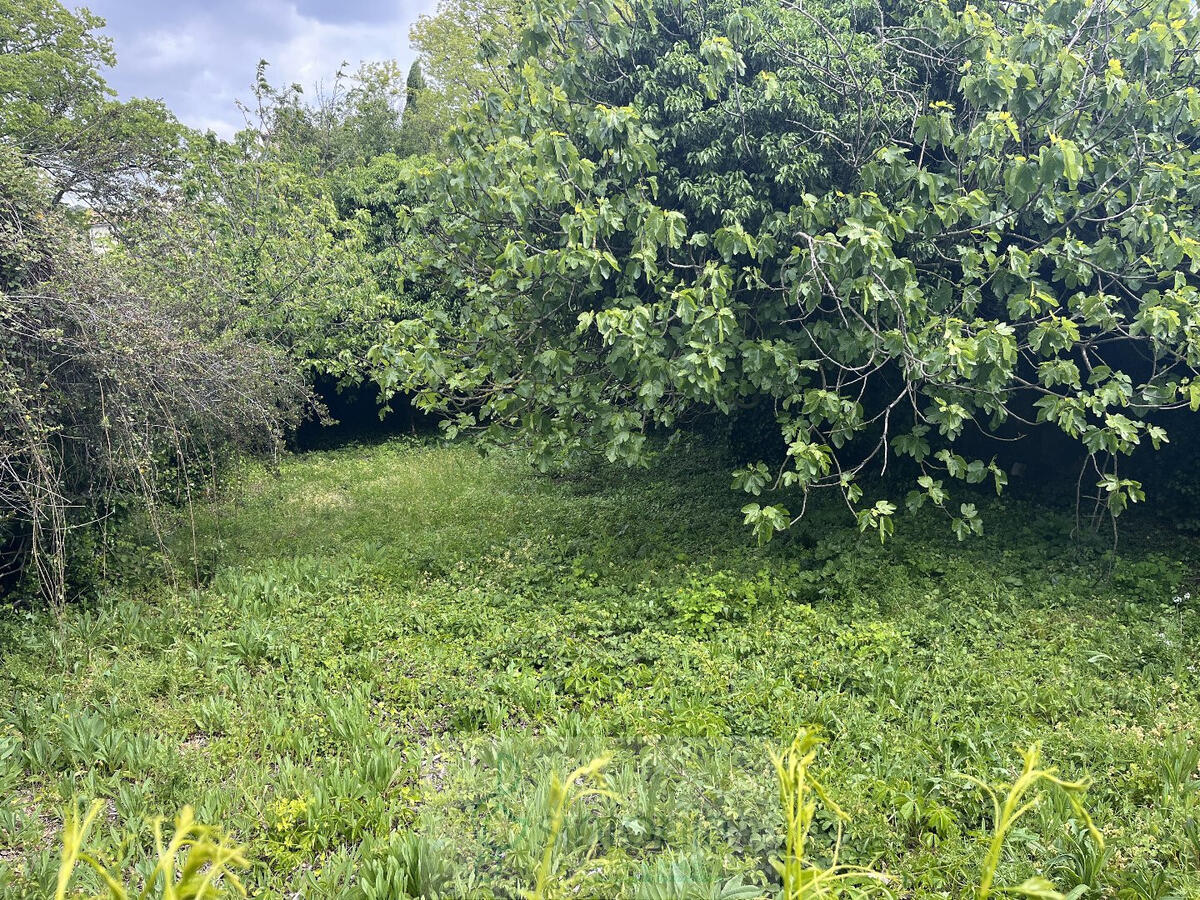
196 864
799 791
1031 781
563 795
199 864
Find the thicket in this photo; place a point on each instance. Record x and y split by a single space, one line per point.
903 237
902 231
172 300
108 395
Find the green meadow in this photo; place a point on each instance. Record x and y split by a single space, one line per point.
395 649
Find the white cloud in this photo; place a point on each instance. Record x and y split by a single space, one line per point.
316 49
169 48
200 56
222 128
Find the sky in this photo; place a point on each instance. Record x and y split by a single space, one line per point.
199 55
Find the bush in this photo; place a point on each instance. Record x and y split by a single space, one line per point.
110 396
897 227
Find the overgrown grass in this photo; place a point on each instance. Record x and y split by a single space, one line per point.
397 646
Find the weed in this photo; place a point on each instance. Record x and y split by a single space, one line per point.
565 793
1179 769
1143 885
407 638
196 863
1020 798
799 791
692 876
1080 862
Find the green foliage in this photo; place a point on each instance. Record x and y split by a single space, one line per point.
1007 812
412 866
564 793
51 64
196 863
723 597
799 791
409 866
292 234
378 196
899 229
462 50
255 240
58 112
110 398
345 124
414 84
425 116
396 648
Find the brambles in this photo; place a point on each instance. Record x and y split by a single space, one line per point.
109 401
110 398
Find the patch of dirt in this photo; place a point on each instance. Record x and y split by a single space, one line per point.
197 741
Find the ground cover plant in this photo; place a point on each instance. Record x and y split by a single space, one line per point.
395 649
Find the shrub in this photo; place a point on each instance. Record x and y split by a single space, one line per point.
109 396
904 229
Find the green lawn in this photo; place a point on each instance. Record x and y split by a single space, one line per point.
397 646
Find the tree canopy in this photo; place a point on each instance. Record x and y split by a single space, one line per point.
58 111
463 49
898 229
